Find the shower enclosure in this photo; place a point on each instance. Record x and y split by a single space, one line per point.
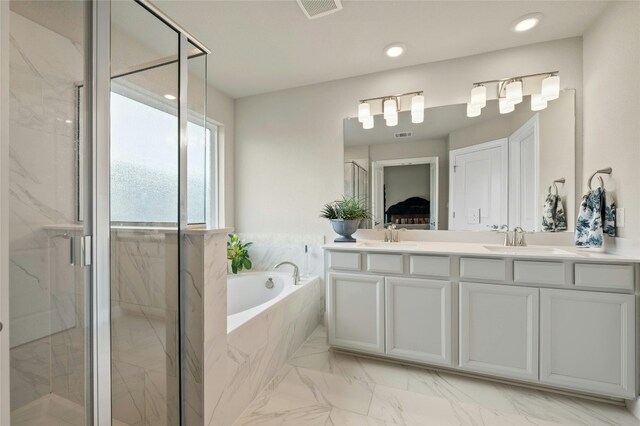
110 161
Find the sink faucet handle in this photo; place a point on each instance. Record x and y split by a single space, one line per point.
508 241
518 236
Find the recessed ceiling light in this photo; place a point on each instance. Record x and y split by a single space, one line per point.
170 97
527 22
395 49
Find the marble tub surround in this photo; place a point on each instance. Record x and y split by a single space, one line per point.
318 386
260 347
224 371
269 249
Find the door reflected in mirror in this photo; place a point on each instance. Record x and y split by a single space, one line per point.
459 173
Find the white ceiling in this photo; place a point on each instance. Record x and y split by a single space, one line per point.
263 46
438 123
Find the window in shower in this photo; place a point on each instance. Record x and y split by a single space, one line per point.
145 190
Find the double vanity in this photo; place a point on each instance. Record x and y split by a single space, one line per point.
549 316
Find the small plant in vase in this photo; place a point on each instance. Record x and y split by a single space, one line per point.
345 216
238 254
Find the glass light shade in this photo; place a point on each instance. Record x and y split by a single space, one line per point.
392 121
418 117
505 106
368 123
390 108
514 92
550 88
473 111
417 104
479 97
364 111
537 103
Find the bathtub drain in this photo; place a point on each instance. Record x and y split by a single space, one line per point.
269 283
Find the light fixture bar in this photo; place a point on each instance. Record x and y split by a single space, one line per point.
518 77
393 96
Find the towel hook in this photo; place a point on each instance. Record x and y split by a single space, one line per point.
555 184
606 171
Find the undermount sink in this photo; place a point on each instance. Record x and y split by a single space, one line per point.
525 249
382 244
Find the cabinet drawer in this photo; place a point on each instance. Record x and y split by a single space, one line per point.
434 266
483 269
525 271
386 263
604 276
344 260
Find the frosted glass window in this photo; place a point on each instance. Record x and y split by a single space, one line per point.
144 164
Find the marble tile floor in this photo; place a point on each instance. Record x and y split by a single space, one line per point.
51 410
321 387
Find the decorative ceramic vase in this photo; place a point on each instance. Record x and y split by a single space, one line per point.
345 228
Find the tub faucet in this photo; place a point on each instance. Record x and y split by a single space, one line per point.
296 271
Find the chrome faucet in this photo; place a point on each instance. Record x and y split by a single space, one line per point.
504 229
518 237
392 234
296 271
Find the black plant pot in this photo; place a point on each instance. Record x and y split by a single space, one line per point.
345 228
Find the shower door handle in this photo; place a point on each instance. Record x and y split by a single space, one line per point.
80 250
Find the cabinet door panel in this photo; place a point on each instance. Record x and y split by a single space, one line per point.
356 312
418 319
587 341
499 330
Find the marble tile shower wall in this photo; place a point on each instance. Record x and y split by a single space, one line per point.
43 288
144 278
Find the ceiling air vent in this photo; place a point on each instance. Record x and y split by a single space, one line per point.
403 135
319 8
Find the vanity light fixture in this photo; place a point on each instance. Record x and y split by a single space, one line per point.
473 111
505 106
550 88
391 106
367 124
364 111
511 92
395 49
479 96
514 92
537 103
417 109
527 22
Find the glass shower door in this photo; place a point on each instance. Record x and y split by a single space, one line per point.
49 287
144 163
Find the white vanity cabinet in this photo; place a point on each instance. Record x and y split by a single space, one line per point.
565 323
586 341
355 312
499 330
418 320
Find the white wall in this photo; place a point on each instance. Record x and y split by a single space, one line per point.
612 106
289 144
4 212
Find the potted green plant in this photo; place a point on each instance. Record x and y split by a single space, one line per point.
238 254
345 216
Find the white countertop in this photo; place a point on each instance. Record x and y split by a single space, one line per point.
481 250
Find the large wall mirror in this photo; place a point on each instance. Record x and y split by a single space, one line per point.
453 172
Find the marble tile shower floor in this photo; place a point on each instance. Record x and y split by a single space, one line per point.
322 387
51 410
